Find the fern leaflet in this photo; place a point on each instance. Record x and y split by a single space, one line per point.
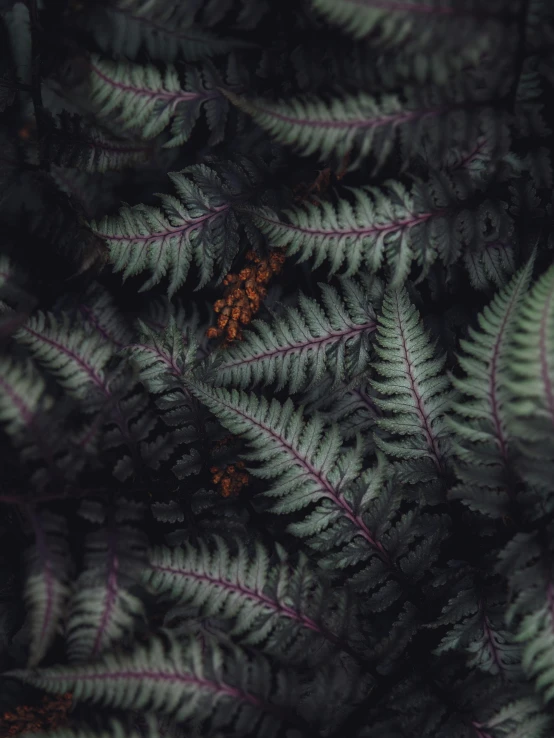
426 123
301 345
389 225
532 385
482 442
46 588
414 395
200 684
268 600
102 609
142 100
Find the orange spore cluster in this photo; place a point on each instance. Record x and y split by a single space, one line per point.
231 479
243 294
51 714
27 131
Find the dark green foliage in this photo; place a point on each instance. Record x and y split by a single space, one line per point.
338 521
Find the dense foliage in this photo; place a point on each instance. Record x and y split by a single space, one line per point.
277 368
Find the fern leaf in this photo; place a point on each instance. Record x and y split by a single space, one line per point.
196 683
76 359
142 100
185 14
492 263
521 717
298 453
102 609
122 33
46 588
301 345
69 143
311 469
389 225
423 123
85 365
532 386
161 360
463 28
476 615
22 397
100 312
482 442
414 395
35 424
277 605
201 226
381 225
527 564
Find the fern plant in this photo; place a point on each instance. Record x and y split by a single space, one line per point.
277 445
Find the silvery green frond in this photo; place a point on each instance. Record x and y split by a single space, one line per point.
302 344
198 684
278 604
414 392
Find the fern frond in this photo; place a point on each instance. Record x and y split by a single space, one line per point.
302 344
414 394
304 458
46 587
487 708
475 616
482 442
78 360
86 367
527 564
201 225
492 263
348 521
23 396
70 143
184 15
271 602
142 100
421 123
532 404
465 31
162 360
389 224
102 609
200 684
122 33
35 423
101 314
519 717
